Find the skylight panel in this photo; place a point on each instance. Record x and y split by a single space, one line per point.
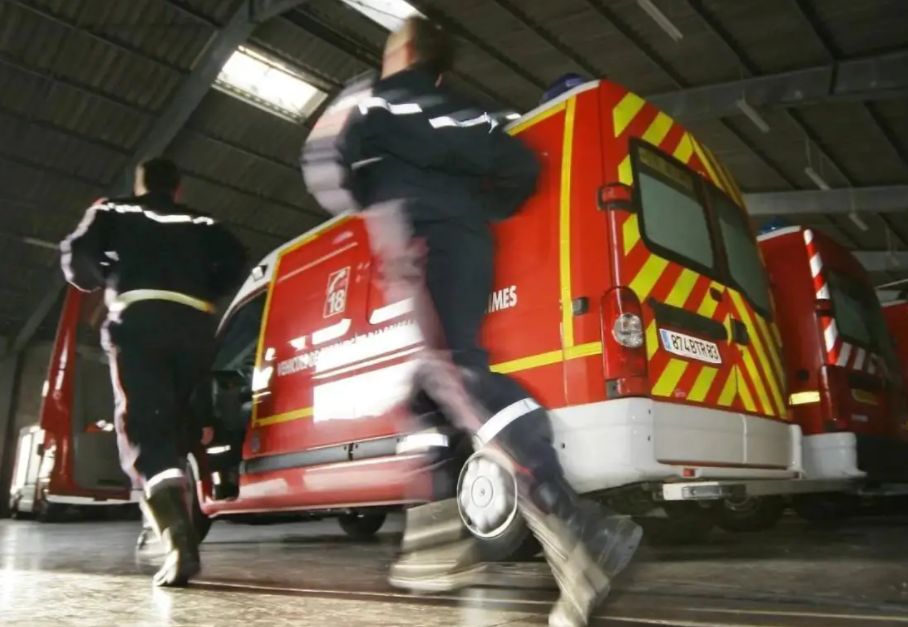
268 84
388 13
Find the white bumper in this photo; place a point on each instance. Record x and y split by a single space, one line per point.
831 456
613 443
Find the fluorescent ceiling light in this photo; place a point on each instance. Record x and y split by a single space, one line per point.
661 19
818 180
388 13
753 115
858 221
267 83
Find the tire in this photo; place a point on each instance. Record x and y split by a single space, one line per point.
749 514
46 512
360 526
824 508
487 503
685 523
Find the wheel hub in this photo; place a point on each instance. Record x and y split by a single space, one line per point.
486 497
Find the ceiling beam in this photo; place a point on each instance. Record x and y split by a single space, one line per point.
880 199
872 78
162 131
883 261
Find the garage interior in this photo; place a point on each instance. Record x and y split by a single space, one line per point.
804 101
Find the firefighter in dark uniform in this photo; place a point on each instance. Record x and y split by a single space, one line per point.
431 172
162 265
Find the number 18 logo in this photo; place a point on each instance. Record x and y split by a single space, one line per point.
336 295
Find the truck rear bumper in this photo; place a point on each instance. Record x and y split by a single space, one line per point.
613 443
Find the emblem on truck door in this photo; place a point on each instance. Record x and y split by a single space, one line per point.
336 294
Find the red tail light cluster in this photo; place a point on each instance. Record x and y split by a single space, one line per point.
624 343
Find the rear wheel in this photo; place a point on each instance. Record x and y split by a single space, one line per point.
361 526
487 502
824 508
685 523
48 512
749 513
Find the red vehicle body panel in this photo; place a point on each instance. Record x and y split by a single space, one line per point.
837 383
329 340
58 406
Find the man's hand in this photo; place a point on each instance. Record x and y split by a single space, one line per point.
207 435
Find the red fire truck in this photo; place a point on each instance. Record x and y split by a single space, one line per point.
896 315
70 457
629 296
844 378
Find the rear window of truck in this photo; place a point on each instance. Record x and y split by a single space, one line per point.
744 263
673 217
851 314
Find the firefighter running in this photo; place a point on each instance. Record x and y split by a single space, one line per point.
431 172
162 266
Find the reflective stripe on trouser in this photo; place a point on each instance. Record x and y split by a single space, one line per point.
124 300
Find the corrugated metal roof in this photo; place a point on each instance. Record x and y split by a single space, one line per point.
71 112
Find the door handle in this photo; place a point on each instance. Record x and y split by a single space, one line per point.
715 293
739 332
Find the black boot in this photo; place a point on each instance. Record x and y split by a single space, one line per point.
585 545
168 513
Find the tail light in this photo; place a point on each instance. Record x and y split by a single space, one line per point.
624 344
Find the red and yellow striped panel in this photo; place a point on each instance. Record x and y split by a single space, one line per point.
751 377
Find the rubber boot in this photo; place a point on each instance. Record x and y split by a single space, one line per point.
584 545
437 552
170 518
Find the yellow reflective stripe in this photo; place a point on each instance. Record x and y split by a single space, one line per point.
583 350
706 162
625 171
709 304
772 346
630 233
646 278
307 412
703 383
544 115
720 172
756 341
547 359
625 112
727 395
669 378
652 340
756 380
260 349
684 150
744 391
658 129
564 226
683 287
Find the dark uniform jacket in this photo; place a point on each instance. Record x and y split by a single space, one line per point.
406 138
151 242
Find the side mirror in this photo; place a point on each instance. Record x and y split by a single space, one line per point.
823 307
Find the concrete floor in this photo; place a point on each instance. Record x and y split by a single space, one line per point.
84 573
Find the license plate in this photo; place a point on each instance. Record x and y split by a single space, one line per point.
690 347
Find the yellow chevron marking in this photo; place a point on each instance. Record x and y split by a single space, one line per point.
684 150
728 390
702 384
519 128
669 378
625 112
683 287
756 380
564 226
652 340
756 341
306 412
658 129
769 341
625 171
744 392
630 233
708 307
646 278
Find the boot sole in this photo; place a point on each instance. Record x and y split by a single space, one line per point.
441 583
177 575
